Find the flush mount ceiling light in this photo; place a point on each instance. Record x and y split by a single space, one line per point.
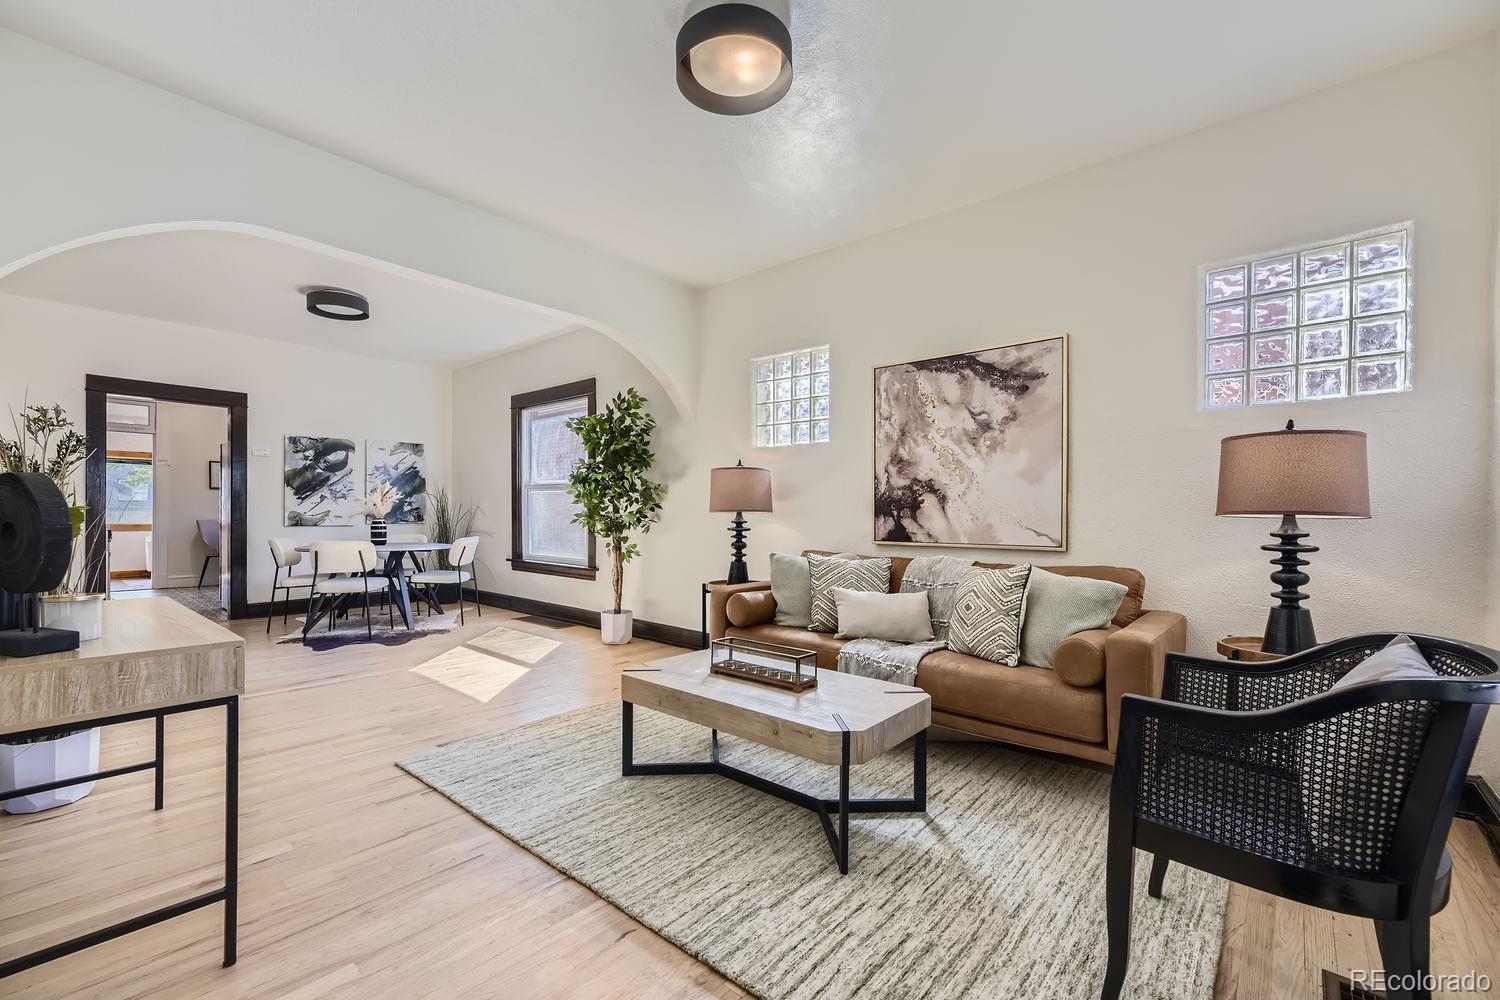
335 303
735 58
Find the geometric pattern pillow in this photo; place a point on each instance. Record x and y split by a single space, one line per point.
827 572
986 618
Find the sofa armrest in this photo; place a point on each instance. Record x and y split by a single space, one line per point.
1135 660
718 601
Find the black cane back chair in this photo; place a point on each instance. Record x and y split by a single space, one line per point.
1260 774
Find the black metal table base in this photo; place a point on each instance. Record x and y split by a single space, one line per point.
843 806
228 894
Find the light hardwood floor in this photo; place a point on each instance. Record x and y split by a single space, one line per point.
358 881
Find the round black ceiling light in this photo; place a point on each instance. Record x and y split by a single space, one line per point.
734 58
335 303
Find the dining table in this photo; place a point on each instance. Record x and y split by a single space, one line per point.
395 555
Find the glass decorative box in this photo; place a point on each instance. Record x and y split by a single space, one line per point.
764 663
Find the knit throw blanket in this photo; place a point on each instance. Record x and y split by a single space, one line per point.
896 662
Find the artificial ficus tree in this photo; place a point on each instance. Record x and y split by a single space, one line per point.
616 501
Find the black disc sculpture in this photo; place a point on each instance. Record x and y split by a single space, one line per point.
36 544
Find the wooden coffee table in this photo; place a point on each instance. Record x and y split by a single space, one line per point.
845 720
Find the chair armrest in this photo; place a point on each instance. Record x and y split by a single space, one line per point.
1134 660
718 601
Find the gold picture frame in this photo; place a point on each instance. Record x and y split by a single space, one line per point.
1048 540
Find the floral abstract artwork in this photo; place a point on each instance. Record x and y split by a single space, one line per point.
971 449
321 481
402 465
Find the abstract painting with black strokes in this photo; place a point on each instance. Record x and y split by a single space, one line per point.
322 480
971 449
403 465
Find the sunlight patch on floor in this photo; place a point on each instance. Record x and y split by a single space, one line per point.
487 665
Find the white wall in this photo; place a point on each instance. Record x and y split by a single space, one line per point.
90 150
1110 255
482 465
49 348
187 439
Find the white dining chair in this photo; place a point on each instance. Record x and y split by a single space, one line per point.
285 555
354 558
460 556
208 534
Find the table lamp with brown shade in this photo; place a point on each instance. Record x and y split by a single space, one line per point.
738 488
1290 474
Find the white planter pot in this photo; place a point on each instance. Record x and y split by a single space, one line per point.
614 629
81 613
38 763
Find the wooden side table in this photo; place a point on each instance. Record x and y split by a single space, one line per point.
1245 648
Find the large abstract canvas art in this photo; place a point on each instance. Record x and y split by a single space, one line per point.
972 449
322 480
403 466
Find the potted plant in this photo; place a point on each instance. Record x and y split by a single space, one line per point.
47 442
615 499
376 506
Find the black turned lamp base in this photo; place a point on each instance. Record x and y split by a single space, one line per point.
739 570
1289 627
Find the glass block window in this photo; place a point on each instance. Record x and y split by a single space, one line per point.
789 398
1323 321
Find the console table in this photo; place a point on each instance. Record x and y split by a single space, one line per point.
156 658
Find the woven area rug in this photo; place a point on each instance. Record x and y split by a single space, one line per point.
997 892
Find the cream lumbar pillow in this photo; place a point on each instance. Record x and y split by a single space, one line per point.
1058 606
827 572
894 617
986 619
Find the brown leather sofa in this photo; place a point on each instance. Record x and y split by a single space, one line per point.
1073 709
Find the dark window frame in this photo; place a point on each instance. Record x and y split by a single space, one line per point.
518 404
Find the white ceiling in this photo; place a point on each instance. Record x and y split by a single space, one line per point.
252 285
565 113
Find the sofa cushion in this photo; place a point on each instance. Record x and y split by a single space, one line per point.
793 589
828 572
1025 697
1079 659
826 646
752 607
892 617
986 619
1058 606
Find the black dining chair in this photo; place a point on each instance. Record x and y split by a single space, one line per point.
1342 799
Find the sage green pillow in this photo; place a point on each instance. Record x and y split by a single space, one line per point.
1058 606
791 586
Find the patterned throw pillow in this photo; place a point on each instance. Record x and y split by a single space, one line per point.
827 572
986 618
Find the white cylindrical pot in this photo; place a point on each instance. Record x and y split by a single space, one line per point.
614 629
38 763
81 613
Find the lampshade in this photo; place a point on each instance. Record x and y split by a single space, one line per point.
1304 473
736 488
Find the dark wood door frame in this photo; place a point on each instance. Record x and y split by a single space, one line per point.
97 390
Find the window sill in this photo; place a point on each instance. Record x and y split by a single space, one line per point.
553 569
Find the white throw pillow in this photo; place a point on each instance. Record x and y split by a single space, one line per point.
1398 660
987 614
894 617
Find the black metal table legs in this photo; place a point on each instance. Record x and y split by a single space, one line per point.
838 839
228 894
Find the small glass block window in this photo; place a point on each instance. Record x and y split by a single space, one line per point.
790 398
1328 320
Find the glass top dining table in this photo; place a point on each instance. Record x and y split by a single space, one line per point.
396 555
